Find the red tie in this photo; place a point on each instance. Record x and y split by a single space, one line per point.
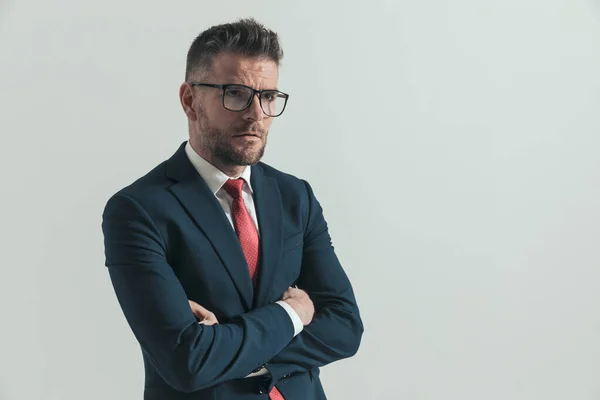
248 237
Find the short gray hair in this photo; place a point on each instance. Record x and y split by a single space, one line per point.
245 36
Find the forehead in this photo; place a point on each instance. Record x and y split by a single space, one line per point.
236 68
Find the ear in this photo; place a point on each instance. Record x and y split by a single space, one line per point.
186 98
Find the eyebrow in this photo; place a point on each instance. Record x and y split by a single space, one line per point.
243 84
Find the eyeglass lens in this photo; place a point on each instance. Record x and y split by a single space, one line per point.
237 98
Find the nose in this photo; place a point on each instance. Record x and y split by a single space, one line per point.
254 112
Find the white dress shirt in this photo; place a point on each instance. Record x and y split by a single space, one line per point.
215 179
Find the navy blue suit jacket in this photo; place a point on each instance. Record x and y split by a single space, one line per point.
168 240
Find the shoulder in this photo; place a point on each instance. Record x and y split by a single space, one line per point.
145 190
272 172
286 182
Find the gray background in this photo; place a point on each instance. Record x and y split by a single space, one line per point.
453 145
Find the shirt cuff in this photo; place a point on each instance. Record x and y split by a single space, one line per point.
298 325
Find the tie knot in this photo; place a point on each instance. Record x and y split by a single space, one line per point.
234 187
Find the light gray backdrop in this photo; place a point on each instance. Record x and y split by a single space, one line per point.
453 144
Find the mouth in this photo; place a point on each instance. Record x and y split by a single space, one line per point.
248 134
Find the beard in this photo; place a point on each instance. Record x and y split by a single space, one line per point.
217 142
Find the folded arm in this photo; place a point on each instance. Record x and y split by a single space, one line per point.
188 355
336 329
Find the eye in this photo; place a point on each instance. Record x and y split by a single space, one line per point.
233 92
269 96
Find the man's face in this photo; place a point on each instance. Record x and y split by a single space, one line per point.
227 138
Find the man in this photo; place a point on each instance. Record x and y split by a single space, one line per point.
223 265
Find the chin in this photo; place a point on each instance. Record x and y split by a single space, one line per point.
242 157
253 158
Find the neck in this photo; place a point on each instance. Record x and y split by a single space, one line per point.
232 171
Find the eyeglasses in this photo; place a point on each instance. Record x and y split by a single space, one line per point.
239 97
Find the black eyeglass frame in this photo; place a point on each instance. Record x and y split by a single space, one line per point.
255 92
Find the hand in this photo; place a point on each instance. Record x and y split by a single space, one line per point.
206 317
301 303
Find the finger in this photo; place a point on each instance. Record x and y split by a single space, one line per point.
211 319
293 292
199 311
287 294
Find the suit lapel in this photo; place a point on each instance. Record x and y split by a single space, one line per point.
267 201
204 209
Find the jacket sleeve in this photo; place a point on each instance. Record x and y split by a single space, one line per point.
336 329
189 356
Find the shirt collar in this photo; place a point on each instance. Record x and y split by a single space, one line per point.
214 177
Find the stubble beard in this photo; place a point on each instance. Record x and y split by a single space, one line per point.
216 142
